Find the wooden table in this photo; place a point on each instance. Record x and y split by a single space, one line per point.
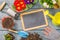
18 25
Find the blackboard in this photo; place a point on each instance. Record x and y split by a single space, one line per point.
33 19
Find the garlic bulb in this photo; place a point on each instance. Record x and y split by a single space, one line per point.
54 2
45 5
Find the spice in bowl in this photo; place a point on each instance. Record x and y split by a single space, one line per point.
7 22
9 37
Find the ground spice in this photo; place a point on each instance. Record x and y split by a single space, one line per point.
7 22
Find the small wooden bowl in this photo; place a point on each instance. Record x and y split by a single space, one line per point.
6 22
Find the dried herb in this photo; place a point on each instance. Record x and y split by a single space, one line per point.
9 37
32 36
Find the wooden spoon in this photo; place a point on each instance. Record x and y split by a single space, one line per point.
2 5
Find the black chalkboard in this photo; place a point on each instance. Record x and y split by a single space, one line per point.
34 20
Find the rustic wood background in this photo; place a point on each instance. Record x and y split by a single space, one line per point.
18 25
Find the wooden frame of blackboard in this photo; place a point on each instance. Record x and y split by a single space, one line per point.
33 11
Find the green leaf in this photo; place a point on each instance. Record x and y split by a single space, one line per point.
35 1
49 2
30 5
41 2
8 38
13 7
26 8
58 2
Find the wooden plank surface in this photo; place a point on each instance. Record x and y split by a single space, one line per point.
18 25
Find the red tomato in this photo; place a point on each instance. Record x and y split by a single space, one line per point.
19 0
18 8
23 6
19 4
15 3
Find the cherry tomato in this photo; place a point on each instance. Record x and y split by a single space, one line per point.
23 6
18 8
19 4
15 3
